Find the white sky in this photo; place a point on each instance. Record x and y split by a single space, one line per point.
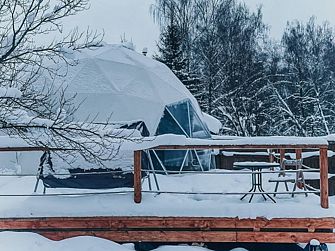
276 13
132 17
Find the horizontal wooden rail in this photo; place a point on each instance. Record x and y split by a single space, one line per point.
179 229
236 147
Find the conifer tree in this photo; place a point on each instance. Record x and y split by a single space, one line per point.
171 53
170 50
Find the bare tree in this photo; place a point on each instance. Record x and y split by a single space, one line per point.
305 93
41 113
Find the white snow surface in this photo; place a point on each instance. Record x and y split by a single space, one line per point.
141 143
214 125
153 204
171 139
118 83
10 92
13 241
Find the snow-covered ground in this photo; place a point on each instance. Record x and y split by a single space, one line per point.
161 204
11 241
152 204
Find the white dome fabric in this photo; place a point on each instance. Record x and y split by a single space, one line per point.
113 81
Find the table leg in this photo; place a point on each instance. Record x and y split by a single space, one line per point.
252 185
262 190
259 183
252 195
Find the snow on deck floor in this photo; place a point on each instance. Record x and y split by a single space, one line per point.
162 204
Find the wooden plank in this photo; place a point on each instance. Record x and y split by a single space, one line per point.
177 229
284 237
195 236
119 223
324 178
147 236
234 147
137 177
298 153
287 223
136 222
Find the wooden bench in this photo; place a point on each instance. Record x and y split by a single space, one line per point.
283 177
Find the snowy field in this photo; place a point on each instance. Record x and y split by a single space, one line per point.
154 204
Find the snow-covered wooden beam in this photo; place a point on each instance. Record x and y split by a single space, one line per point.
233 147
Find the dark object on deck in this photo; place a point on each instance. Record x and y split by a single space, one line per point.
91 179
82 179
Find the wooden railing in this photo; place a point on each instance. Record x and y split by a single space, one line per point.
323 159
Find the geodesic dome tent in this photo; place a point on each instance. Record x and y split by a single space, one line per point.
116 82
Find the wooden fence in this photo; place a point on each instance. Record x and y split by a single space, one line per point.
298 148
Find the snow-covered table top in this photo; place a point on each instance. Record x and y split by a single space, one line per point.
254 165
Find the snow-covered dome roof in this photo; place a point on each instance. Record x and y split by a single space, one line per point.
124 85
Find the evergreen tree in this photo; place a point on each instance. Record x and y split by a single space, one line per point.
170 50
171 53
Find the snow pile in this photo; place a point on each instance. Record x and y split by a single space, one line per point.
331 137
13 241
172 139
214 125
314 242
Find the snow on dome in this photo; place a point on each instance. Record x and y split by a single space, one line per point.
214 125
116 82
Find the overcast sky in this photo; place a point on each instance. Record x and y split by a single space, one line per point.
132 17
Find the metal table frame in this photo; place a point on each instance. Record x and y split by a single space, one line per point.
256 178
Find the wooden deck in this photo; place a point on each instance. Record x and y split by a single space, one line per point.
178 229
186 229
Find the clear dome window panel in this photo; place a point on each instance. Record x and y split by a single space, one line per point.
155 162
205 159
199 130
168 125
172 159
180 111
194 162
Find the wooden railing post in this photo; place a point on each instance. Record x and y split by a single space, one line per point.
298 153
282 155
271 157
324 178
137 177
